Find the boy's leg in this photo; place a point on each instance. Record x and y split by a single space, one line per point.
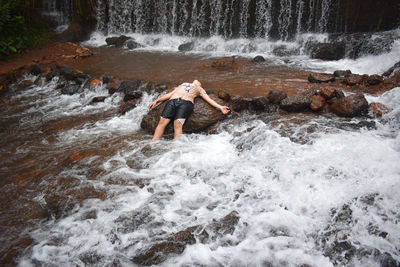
158 133
177 129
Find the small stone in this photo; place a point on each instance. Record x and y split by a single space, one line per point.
95 82
320 78
238 103
377 109
342 73
353 79
258 59
224 95
375 79
317 102
276 96
98 99
328 93
186 47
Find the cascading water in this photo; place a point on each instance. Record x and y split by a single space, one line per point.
304 188
228 18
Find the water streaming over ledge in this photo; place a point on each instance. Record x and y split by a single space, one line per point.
299 183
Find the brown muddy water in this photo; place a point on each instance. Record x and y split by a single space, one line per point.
249 79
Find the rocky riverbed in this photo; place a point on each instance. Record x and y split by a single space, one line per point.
299 174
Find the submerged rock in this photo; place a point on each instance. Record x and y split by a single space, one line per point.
186 47
177 243
203 116
226 64
374 79
350 106
132 44
377 109
71 89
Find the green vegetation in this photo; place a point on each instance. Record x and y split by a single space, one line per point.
20 27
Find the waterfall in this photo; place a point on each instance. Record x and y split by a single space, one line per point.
227 18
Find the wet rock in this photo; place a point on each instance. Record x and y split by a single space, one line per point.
258 104
107 79
226 64
117 41
391 70
374 79
284 51
124 107
202 117
222 94
258 59
329 51
132 95
350 106
74 33
276 96
320 78
238 103
81 78
386 260
71 89
36 69
377 109
317 102
24 84
95 82
132 44
327 93
129 87
295 103
90 258
83 52
177 243
98 99
342 73
53 73
186 47
354 79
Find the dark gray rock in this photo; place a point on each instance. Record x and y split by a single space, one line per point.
98 99
342 73
329 51
132 44
117 41
186 47
129 87
258 59
295 103
71 89
276 96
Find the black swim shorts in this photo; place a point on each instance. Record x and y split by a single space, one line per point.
178 109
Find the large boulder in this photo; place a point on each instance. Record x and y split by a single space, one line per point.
350 106
203 116
329 51
295 103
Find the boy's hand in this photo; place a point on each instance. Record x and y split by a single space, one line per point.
153 104
224 109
